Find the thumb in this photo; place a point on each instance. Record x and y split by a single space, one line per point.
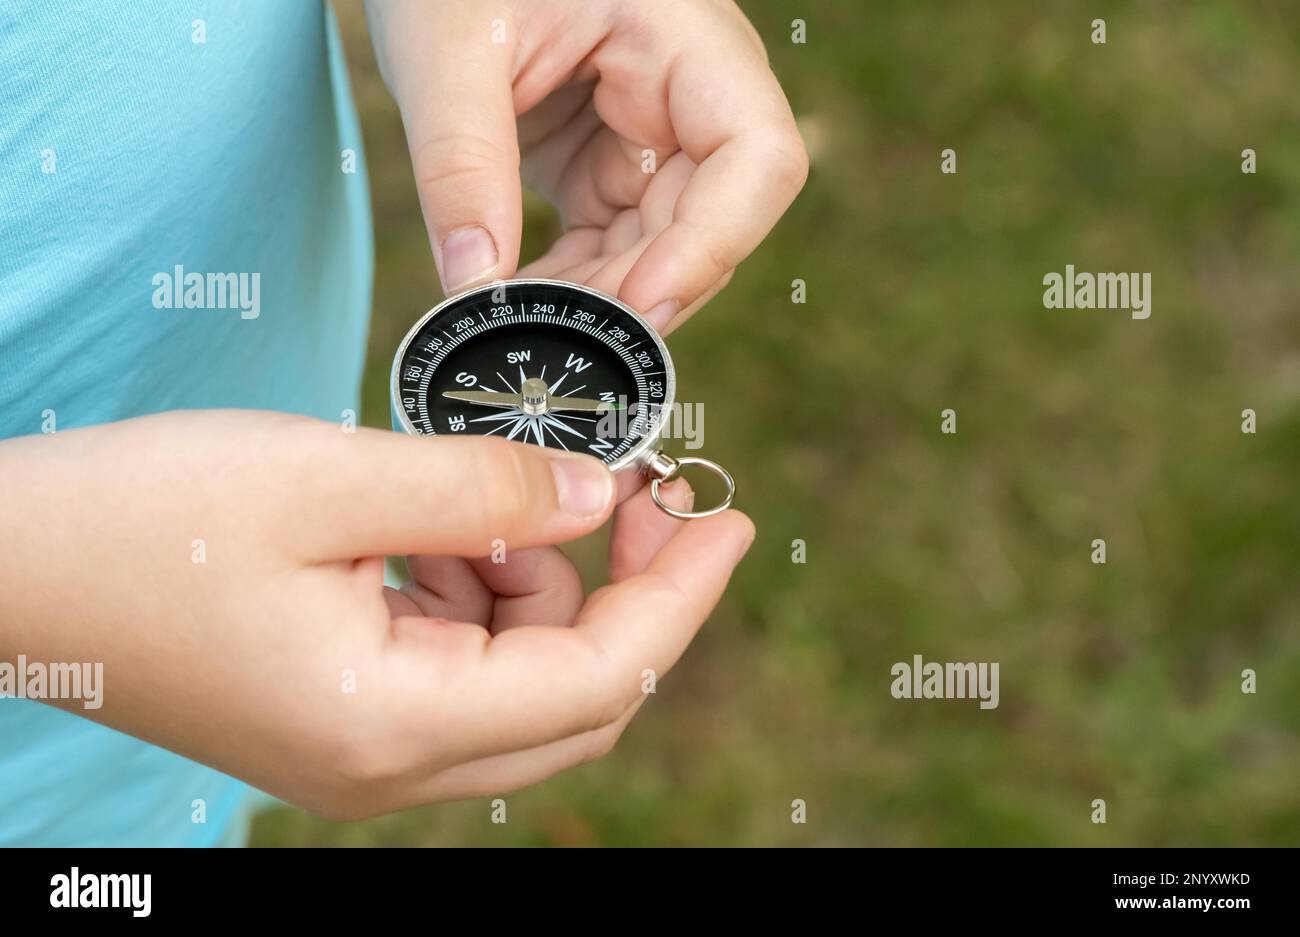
376 493
458 109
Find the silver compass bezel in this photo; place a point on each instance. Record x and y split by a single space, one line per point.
636 457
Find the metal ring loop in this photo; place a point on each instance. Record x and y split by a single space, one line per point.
713 467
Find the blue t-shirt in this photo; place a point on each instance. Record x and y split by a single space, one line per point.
184 222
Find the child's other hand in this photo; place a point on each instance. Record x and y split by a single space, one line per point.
656 128
226 568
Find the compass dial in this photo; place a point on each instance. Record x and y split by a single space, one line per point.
537 361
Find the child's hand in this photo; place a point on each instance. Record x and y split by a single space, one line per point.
598 84
226 568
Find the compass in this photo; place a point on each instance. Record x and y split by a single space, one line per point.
549 364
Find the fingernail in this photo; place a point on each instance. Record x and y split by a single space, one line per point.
583 486
466 255
663 313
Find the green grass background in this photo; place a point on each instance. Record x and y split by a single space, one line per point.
1120 681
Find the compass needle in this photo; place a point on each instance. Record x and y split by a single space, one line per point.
484 398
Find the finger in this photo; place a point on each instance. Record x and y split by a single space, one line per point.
634 230
666 321
607 174
571 249
751 164
375 493
628 484
500 774
620 244
554 124
531 587
605 275
448 587
537 685
641 529
459 115
623 233
399 603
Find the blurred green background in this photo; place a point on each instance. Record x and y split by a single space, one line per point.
1120 682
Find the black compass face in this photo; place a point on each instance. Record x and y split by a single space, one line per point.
535 361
